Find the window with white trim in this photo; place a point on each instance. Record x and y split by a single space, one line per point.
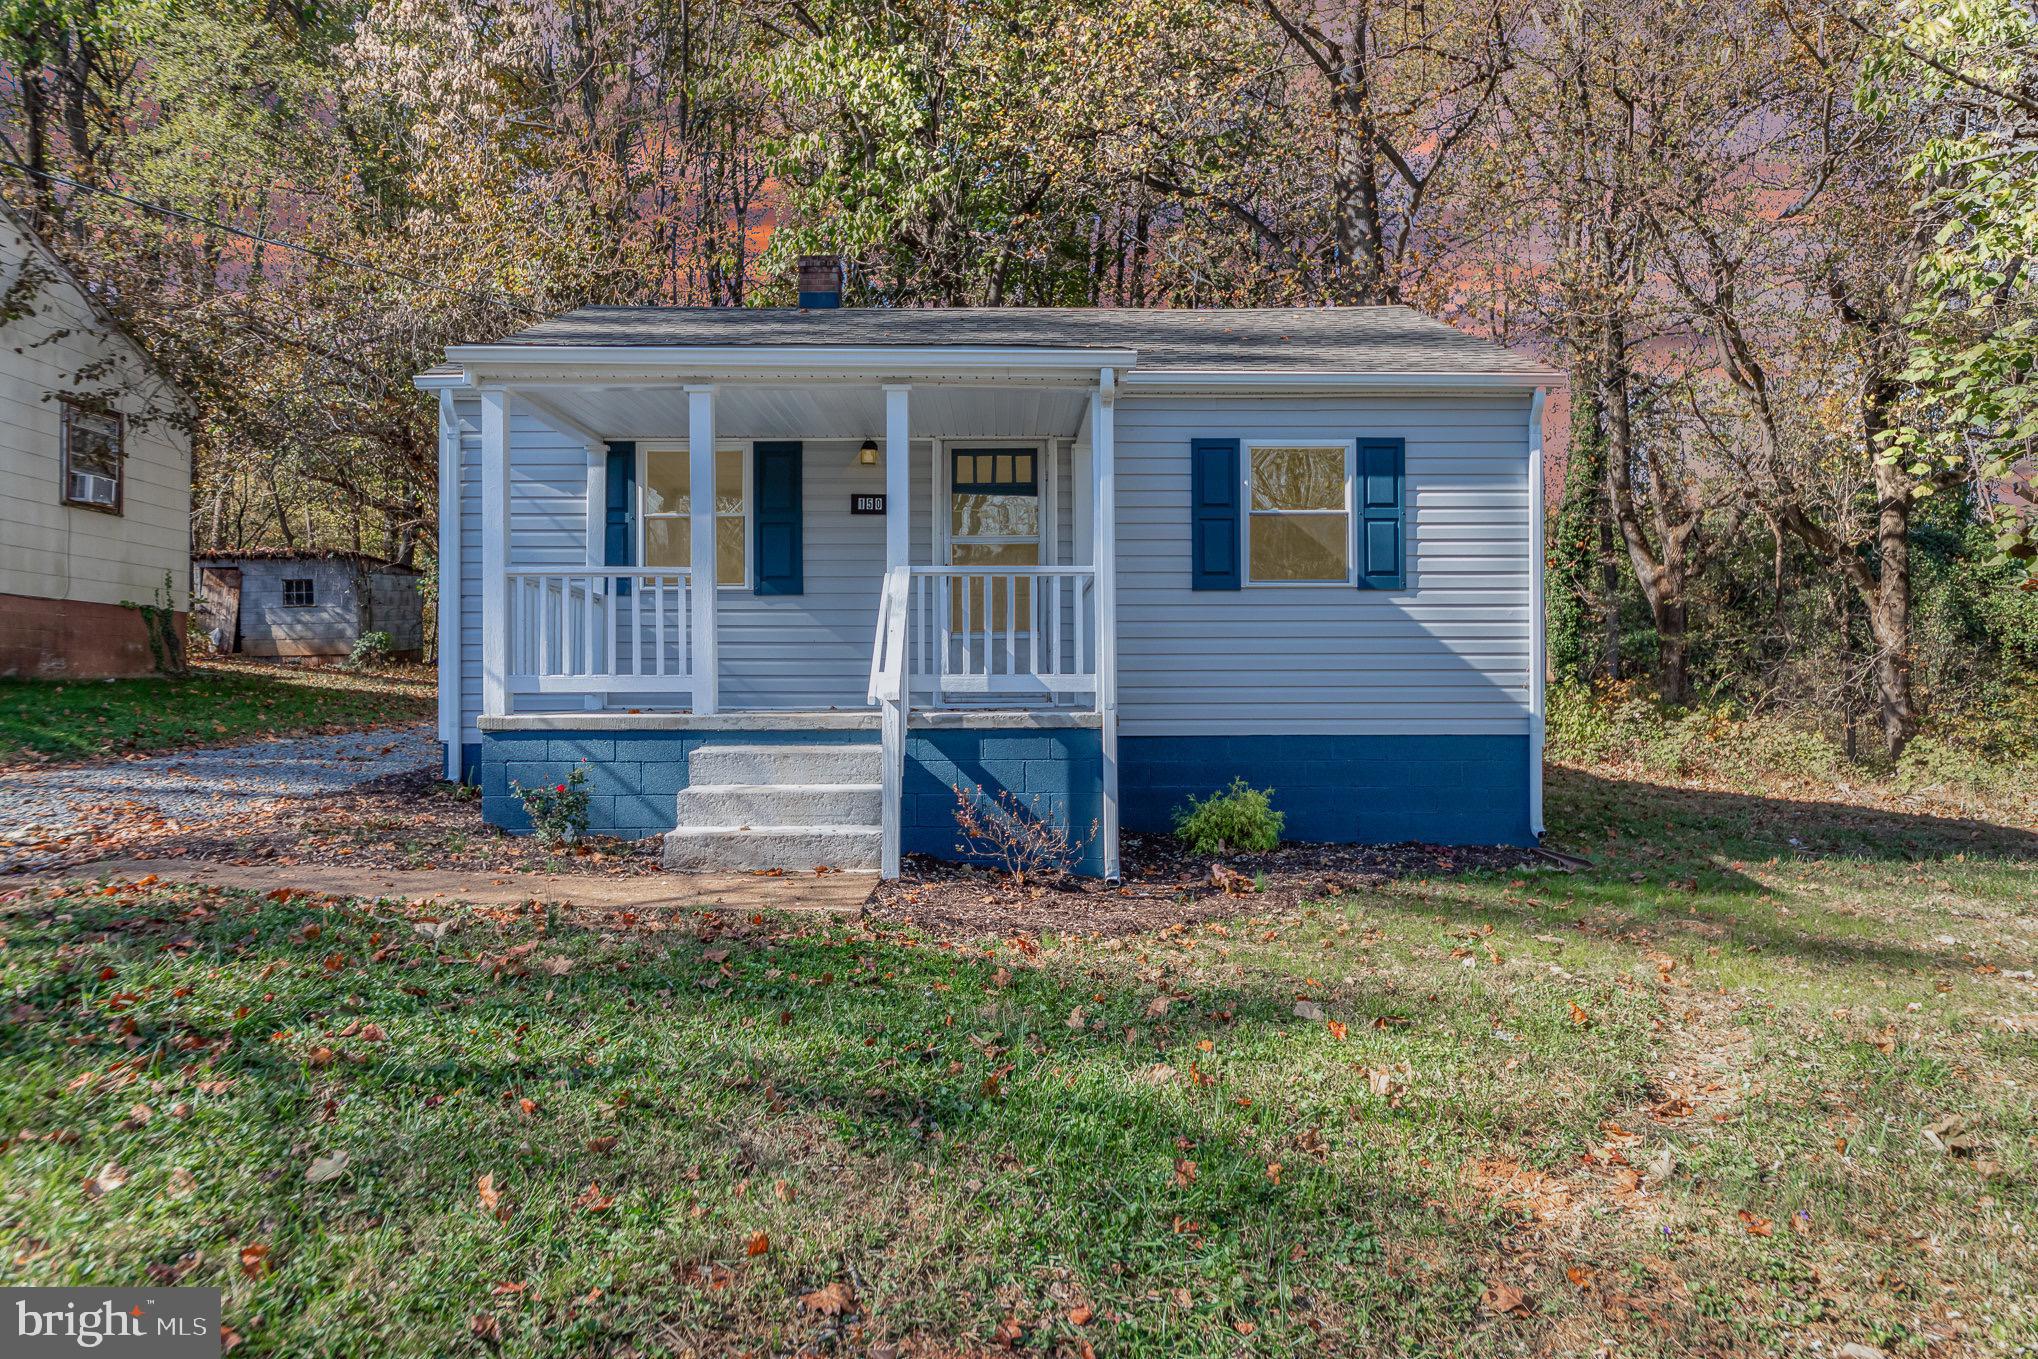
92 446
1299 514
665 483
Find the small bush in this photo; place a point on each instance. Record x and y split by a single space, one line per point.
370 650
1239 818
1015 837
558 812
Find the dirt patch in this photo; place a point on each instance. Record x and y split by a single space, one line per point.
1163 884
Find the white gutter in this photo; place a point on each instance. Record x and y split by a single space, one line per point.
734 361
1538 643
1159 381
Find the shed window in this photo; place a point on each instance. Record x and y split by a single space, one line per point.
92 459
297 592
1299 529
668 512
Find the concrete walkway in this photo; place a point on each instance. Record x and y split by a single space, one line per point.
831 893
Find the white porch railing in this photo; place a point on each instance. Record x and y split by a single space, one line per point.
972 631
572 630
975 630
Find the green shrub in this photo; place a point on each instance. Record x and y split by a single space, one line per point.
1239 818
370 649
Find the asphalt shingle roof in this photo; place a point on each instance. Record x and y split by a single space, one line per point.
1389 339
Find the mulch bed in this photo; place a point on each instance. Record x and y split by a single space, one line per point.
1163 884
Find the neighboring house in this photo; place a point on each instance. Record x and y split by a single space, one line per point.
95 477
309 604
787 579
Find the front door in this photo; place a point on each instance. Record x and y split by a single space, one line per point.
994 522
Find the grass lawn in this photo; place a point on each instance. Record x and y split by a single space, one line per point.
1761 1078
220 701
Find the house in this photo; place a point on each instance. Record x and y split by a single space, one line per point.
787 580
95 478
278 602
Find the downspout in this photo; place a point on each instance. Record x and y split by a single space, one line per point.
1538 663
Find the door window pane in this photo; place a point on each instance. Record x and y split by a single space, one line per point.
974 515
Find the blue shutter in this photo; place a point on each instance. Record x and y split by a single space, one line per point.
778 528
1214 514
1383 534
619 545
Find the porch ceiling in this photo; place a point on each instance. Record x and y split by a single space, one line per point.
825 411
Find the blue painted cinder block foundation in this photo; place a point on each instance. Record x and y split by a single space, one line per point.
1449 790
632 777
1463 790
1056 775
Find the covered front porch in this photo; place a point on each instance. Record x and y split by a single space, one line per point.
681 548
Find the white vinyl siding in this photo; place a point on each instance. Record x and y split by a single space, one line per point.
1448 655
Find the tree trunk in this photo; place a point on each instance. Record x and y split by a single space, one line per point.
1609 598
1889 609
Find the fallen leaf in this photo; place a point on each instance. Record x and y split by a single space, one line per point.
1309 1010
1502 1298
759 1244
1337 1029
486 1328
1580 1276
105 1180
830 1300
594 1201
1580 1015
1080 1315
601 1146
1757 1226
254 1261
328 1167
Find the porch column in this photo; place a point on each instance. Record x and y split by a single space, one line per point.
1104 522
700 460
451 720
898 476
495 528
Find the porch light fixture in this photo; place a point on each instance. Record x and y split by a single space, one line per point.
867 455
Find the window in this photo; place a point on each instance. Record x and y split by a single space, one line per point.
993 520
1299 529
668 512
92 459
297 593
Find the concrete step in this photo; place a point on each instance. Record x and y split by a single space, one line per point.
800 764
793 848
781 804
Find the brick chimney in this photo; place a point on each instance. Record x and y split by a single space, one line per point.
820 281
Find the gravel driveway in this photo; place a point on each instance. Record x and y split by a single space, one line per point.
44 811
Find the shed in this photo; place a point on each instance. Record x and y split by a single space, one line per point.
270 602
